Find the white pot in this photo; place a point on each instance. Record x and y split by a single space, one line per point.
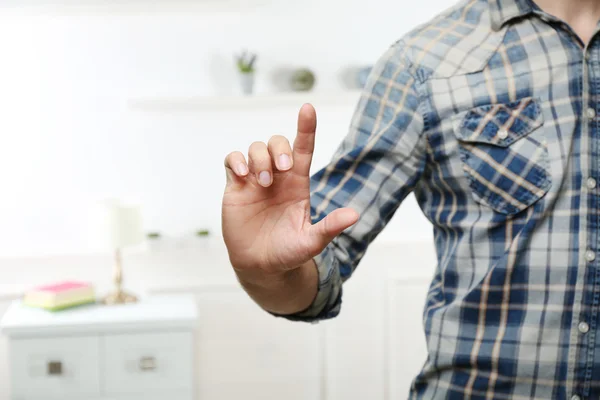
155 244
247 83
202 242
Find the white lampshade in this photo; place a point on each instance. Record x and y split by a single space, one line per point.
123 224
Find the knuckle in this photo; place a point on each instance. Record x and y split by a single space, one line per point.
231 156
263 162
277 140
257 146
262 158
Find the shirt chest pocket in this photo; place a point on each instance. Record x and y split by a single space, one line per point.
505 160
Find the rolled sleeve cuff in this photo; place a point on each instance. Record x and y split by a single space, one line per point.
328 302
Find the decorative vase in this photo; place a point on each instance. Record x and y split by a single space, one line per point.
247 82
303 80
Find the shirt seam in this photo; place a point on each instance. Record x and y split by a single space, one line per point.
421 92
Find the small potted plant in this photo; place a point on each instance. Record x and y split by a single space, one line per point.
303 80
203 233
245 64
201 238
153 235
153 239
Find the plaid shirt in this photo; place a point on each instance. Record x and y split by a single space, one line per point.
487 114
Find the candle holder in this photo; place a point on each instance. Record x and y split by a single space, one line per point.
119 296
124 228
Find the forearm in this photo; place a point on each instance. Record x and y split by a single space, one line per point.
284 294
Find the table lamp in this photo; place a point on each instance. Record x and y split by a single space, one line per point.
124 223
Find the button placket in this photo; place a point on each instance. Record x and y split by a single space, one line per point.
589 116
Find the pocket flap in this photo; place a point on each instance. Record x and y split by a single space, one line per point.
499 124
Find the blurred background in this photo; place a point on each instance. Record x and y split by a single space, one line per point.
140 100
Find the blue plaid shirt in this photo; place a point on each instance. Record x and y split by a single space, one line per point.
488 114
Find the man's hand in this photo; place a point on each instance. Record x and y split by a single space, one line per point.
266 211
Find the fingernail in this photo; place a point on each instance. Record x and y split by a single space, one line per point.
264 178
242 169
284 162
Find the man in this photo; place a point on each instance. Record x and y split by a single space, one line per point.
488 114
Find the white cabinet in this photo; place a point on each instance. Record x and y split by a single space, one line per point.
373 350
244 353
157 363
142 350
55 368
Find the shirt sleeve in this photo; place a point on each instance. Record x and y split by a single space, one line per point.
374 168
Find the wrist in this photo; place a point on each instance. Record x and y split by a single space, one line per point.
282 293
259 279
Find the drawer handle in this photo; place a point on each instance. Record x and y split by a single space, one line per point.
147 364
55 368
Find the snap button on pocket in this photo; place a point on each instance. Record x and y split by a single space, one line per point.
506 164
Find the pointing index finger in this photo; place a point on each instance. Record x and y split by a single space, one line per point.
304 144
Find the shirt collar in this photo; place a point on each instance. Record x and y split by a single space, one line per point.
503 11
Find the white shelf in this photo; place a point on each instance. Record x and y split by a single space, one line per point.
347 98
127 6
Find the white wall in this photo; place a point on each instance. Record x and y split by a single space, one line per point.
66 76
67 138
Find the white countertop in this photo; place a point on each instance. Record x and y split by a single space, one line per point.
162 312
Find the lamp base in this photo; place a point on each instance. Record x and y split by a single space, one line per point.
119 297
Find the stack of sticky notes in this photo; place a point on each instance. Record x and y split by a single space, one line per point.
60 296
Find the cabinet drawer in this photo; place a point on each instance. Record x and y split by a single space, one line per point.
55 368
147 363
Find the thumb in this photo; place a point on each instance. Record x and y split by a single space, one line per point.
323 232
